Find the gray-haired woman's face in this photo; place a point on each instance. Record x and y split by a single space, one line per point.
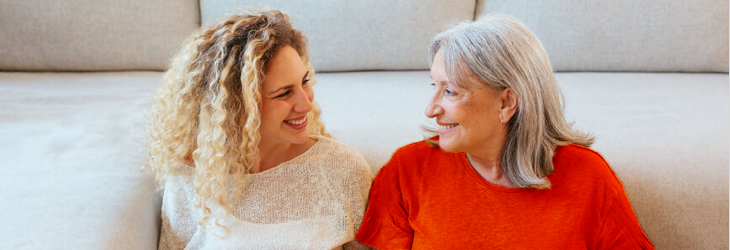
469 119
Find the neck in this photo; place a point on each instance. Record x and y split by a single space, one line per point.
490 169
273 154
487 160
270 155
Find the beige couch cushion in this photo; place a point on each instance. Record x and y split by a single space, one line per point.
70 155
625 35
360 35
90 35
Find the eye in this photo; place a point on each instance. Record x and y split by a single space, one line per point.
433 85
283 94
448 92
305 82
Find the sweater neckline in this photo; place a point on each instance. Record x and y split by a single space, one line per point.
278 168
473 173
291 162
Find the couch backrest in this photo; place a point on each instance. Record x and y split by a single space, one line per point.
360 35
625 35
93 35
579 35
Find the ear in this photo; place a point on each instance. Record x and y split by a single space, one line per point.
508 97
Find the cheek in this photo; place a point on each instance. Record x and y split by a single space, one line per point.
488 115
272 112
474 115
310 93
457 111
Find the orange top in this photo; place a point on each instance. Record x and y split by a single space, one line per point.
424 198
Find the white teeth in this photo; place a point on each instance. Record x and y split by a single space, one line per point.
448 126
296 122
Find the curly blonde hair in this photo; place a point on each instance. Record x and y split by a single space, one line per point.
207 109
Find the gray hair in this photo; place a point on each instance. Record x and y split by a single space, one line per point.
501 52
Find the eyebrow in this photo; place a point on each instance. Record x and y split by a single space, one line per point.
288 86
444 81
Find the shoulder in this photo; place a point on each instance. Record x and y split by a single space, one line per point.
179 182
578 164
179 196
177 176
340 157
417 153
416 148
332 150
336 147
585 157
417 159
178 187
574 150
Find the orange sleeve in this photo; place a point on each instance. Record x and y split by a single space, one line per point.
385 224
621 229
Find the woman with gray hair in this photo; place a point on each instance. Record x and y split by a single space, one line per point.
506 171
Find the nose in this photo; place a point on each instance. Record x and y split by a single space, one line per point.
433 108
303 100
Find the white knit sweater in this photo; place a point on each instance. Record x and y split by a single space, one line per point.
314 201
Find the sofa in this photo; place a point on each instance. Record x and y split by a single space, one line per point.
648 78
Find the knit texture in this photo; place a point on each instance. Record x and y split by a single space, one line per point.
314 201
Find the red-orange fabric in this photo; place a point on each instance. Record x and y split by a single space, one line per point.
424 198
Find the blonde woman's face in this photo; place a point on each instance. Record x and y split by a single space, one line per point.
286 99
468 119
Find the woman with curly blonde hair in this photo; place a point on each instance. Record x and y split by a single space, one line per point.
237 145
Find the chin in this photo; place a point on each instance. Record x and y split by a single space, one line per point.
447 146
301 138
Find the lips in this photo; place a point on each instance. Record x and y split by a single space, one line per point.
445 128
297 123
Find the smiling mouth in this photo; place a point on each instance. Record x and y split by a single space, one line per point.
446 128
296 121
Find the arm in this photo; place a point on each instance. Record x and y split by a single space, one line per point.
621 229
169 239
385 224
178 221
364 181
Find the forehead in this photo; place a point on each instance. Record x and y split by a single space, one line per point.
438 69
285 67
461 76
